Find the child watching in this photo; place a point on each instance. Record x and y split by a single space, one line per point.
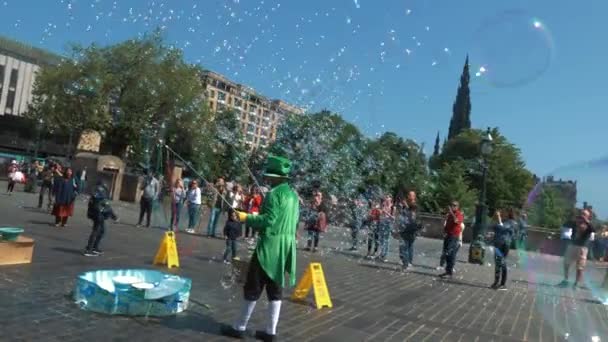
232 231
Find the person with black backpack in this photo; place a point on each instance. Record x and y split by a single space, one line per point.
99 210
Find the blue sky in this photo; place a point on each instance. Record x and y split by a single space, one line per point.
383 64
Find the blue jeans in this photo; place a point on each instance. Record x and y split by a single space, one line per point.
406 251
451 252
231 245
313 238
384 229
176 209
99 229
193 213
213 219
354 233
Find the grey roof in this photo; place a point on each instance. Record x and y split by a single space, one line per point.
27 53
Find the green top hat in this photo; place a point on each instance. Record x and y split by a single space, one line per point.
278 167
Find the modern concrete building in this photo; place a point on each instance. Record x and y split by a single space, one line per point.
18 66
259 116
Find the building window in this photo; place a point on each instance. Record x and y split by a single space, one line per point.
251 128
238 103
253 109
10 101
263 142
212 93
249 138
211 104
1 78
14 77
221 96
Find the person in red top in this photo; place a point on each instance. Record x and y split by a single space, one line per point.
253 203
452 230
373 237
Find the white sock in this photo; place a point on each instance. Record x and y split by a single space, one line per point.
246 311
274 310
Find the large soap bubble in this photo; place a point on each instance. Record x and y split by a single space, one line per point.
512 48
552 207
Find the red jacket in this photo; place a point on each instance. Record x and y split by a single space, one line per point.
454 227
375 215
254 203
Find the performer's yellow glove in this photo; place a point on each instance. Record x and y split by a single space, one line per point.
242 216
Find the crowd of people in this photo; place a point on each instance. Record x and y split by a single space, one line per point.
268 220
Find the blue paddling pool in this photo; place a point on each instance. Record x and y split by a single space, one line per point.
134 292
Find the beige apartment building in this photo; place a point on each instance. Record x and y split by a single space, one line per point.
259 116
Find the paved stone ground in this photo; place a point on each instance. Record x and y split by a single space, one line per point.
372 301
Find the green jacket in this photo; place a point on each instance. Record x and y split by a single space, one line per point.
277 223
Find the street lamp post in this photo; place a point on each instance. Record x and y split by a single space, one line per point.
476 250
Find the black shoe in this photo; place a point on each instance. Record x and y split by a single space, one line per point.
353 249
445 275
307 249
494 286
564 283
89 253
264 336
97 252
229 331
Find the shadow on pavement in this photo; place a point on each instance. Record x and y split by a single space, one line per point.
398 269
466 283
540 284
68 250
34 209
347 253
194 321
42 223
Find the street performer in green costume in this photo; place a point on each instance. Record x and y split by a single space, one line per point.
275 253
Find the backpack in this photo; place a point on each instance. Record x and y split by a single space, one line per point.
93 208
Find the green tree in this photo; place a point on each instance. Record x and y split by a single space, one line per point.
508 182
70 96
133 92
230 154
395 165
451 183
461 110
548 209
326 152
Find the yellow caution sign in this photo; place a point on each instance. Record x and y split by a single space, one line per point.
313 277
167 252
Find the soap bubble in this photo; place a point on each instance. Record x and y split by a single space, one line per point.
513 48
553 204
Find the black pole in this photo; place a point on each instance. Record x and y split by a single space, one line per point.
476 249
37 144
69 154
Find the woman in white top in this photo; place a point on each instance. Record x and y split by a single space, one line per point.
179 196
194 205
237 197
